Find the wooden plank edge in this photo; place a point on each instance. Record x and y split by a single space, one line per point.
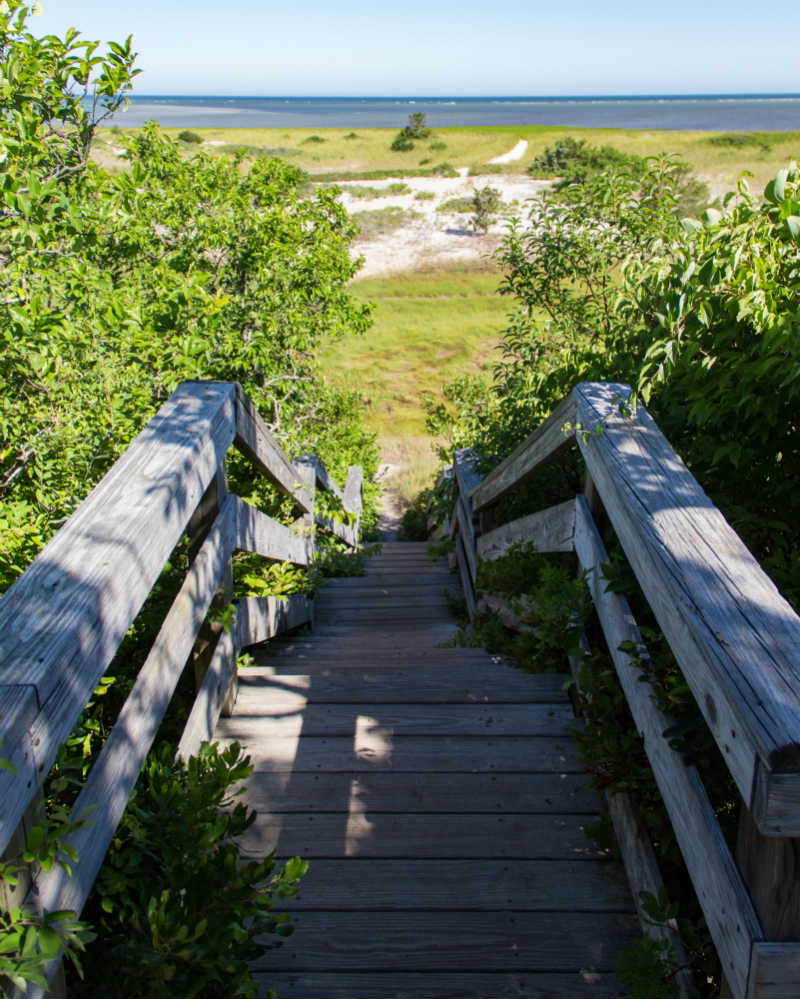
550 530
261 618
774 970
721 891
255 441
258 533
546 442
116 769
353 498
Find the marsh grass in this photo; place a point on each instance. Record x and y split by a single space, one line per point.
428 327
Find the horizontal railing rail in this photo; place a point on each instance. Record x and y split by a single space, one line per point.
735 638
63 620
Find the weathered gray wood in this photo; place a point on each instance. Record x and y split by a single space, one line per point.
467 835
441 941
467 537
774 971
324 479
548 530
286 721
438 610
211 697
18 708
344 532
306 466
421 685
62 621
371 749
736 639
466 578
256 442
415 595
544 444
353 498
721 892
493 793
522 885
116 769
641 868
465 471
258 533
260 618
441 985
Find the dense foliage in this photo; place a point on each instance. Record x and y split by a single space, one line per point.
115 287
178 911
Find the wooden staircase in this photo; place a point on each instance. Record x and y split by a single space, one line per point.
437 795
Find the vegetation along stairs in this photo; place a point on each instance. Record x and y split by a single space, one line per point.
436 793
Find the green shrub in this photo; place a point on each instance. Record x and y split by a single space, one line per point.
742 140
179 911
456 206
351 135
424 196
189 137
486 203
402 143
313 140
437 146
444 170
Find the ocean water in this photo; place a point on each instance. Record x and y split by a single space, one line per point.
727 113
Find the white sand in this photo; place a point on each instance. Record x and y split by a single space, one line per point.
435 237
513 154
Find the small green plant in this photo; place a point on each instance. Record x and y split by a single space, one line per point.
351 135
402 143
486 203
191 138
424 196
178 910
456 206
313 140
414 130
437 146
444 170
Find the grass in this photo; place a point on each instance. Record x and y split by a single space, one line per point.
429 327
382 221
344 154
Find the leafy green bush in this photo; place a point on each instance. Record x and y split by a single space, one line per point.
313 140
456 206
191 137
742 140
402 143
179 911
486 203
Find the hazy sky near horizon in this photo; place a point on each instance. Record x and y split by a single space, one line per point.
469 48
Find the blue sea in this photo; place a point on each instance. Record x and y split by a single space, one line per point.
702 112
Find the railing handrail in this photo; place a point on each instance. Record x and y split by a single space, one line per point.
63 620
735 638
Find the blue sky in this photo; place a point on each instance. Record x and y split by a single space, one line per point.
352 47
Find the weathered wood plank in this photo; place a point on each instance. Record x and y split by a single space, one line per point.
344 532
353 498
441 941
466 533
339 616
441 985
263 685
466 578
444 884
210 698
255 441
270 721
465 471
116 769
548 530
774 971
369 749
323 477
62 621
494 793
362 833
736 639
260 618
721 892
311 647
641 868
544 444
376 597
18 708
258 533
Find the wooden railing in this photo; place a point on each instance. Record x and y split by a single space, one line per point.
736 640
63 620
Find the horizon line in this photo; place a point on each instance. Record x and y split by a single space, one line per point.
741 95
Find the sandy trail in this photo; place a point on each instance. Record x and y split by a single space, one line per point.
513 154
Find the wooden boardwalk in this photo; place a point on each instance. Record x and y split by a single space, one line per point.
438 797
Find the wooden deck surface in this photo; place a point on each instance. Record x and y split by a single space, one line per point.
437 795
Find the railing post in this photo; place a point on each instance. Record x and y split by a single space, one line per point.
199 526
770 866
306 465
